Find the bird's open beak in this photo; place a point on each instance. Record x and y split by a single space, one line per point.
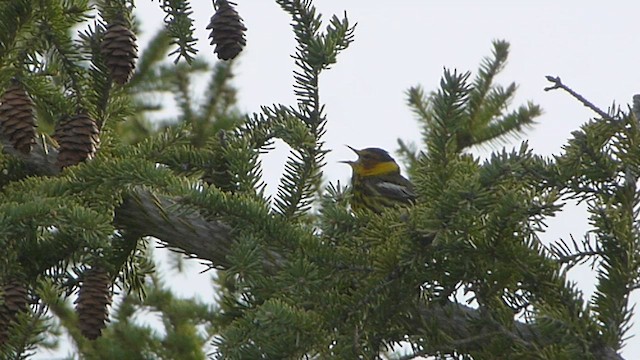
354 150
348 161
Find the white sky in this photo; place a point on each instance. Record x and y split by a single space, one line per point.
591 45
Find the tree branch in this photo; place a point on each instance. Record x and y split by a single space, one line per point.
557 84
147 214
40 161
458 322
163 217
189 232
185 230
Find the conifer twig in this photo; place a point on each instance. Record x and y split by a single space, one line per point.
557 84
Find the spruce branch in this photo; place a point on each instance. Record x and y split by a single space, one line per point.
182 96
455 321
600 167
100 91
482 116
29 332
617 273
155 189
15 17
409 153
448 114
483 82
509 124
488 102
574 253
419 104
220 95
146 213
64 50
180 27
315 52
155 52
183 232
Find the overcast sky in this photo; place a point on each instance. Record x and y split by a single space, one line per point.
592 46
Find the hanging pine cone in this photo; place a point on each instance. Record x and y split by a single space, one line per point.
14 301
227 30
92 303
119 50
78 137
17 119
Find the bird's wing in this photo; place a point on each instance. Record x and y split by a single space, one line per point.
399 189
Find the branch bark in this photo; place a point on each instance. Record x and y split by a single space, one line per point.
189 232
40 161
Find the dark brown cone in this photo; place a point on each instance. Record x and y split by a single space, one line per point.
78 137
119 50
92 303
17 118
227 31
14 301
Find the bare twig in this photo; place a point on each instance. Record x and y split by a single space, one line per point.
557 84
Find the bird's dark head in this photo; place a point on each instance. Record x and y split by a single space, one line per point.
373 162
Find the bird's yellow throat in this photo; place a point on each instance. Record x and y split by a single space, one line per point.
387 167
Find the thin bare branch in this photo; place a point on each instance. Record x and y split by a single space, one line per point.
557 84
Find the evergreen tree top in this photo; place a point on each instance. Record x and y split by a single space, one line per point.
299 274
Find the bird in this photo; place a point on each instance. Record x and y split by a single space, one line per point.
377 183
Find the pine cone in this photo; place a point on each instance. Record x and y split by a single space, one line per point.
119 50
227 30
78 137
92 303
17 118
15 301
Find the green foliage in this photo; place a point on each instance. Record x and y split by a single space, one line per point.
29 332
302 128
184 333
180 28
601 168
57 225
460 274
478 110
